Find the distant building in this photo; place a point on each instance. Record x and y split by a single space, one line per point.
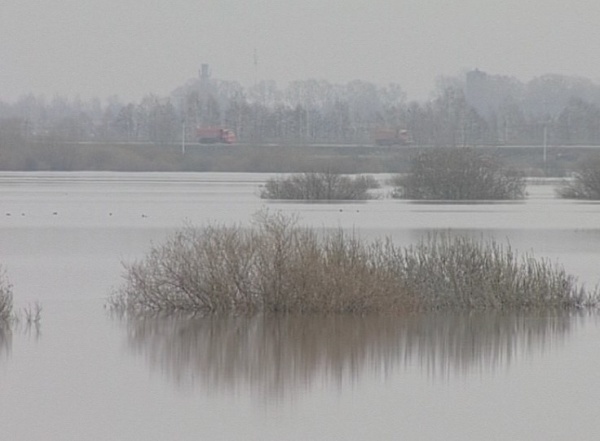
204 76
478 93
487 93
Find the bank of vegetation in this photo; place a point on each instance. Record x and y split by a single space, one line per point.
327 185
279 267
585 182
458 174
56 155
478 109
473 109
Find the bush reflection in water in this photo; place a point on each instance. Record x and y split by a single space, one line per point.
275 355
5 341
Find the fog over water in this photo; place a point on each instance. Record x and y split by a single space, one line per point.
129 49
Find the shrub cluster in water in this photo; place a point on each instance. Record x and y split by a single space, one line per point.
279 267
458 174
5 298
585 183
319 186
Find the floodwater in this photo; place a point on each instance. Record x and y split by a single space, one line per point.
85 374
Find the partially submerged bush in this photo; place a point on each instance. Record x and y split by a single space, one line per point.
446 272
585 183
458 174
6 298
275 267
279 267
319 186
30 315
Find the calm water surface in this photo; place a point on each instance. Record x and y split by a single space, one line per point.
87 375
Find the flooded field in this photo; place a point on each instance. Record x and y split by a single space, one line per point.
86 374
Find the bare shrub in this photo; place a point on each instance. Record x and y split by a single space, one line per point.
585 183
278 267
6 298
458 174
319 186
274 267
446 272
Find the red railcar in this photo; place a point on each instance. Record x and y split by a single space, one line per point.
215 135
389 137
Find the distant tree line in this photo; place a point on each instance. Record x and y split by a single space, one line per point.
476 109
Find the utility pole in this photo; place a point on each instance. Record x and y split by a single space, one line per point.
183 136
255 60
545 143
183 118
546 120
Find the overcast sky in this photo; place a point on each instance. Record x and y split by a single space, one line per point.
130 48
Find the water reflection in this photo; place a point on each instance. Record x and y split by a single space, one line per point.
445 344
277 355
5 341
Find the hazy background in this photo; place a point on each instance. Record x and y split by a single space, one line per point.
130 48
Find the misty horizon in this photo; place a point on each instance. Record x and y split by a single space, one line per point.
440 82
119 48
